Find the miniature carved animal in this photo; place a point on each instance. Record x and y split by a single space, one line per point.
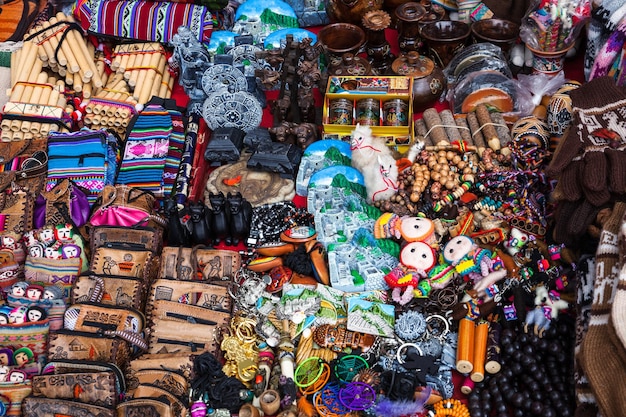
240 217
284 132
219 217
306 133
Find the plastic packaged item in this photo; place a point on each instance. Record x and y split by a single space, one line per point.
487 87
470 55
554 26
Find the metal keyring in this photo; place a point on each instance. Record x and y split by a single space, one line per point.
407 345
445 323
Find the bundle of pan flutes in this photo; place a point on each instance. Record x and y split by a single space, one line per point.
477 130
140 72
57 63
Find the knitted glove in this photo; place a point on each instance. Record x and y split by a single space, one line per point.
572 222
591 161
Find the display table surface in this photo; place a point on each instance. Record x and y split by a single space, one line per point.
573 70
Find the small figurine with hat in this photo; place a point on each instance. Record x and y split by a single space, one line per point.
23 356
19 288
6 356
52 292
34 292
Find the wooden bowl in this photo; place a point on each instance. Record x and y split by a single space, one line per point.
500 32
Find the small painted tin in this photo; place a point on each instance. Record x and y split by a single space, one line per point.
340 112
368 112
395 112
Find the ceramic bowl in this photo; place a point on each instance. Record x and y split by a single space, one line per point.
339 38
500 32
444 39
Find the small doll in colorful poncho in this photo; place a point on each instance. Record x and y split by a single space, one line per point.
462 256
417 256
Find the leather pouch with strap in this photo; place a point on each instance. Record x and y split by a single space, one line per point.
168 336
86 346
172 311
178 407
110 290
149 238
202 294
122 205
48 407
145 407
124 322
31 159
207 264
16 210
64 366
171 381
180 363
124 260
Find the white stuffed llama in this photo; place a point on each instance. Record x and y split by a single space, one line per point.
373 158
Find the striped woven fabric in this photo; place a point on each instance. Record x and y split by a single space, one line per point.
81 157
59 272
146 20
14 394
174 153
146 149
33 335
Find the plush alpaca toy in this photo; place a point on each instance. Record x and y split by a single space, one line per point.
373 158
547 307
550 301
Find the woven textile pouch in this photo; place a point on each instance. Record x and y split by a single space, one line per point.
87 157
147 147
12 395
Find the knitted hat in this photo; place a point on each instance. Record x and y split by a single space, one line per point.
604 20
52 292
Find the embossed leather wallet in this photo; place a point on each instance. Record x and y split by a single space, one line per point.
97 388
49 407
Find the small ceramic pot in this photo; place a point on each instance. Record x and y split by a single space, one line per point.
428 79
351 65
350 11
339 38
444 39
500 32
549 63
